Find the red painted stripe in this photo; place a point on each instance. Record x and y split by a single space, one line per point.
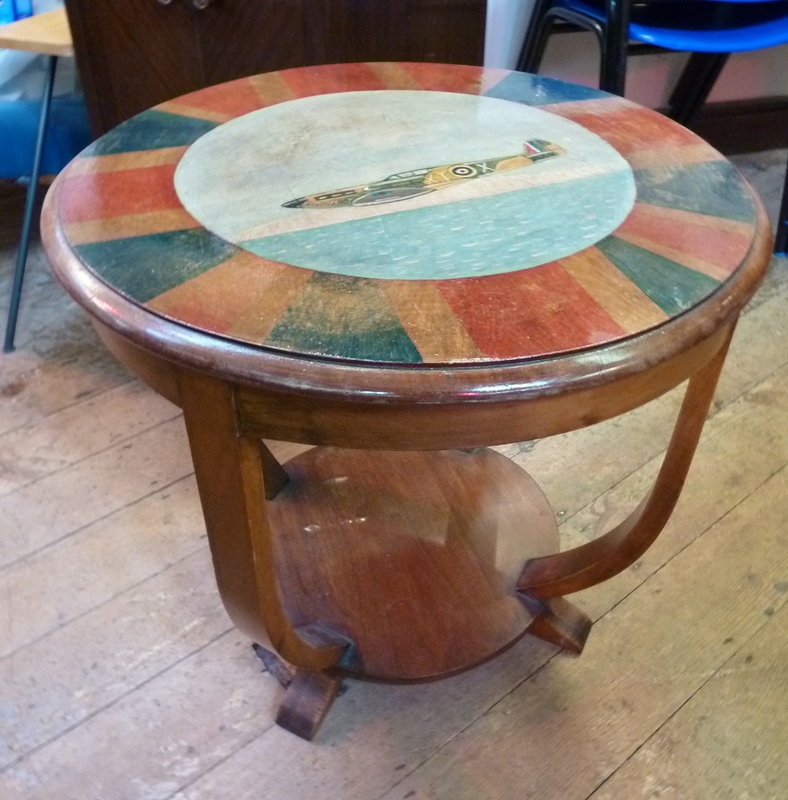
631 129
723 249
234 98
331 78
199 309
521 314
113 194
439 78
245 284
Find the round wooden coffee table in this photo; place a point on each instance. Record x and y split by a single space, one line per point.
404 264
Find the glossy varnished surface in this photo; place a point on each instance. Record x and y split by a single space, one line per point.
405 185
692 225
367 542
688 653
323 558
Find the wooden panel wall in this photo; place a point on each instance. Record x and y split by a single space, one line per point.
133 54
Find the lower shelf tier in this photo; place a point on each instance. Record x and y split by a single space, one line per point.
414 557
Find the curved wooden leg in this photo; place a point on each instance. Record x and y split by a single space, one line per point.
307 701
234 473
570 571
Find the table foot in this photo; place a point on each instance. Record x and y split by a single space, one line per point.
307 701
558 621
309 694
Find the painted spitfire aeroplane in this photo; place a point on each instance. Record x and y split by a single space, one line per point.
404 185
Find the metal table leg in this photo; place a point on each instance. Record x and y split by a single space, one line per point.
27 219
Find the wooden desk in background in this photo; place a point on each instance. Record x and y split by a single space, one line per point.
47 34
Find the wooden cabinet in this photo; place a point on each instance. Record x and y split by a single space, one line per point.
133 54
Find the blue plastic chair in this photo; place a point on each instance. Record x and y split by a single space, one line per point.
709 29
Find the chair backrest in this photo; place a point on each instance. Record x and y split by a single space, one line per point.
697 26
722 26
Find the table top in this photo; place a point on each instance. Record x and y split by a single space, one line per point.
410 215
48 34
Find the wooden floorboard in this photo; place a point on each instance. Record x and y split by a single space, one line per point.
121 677
65 502
44 446
645 659
713 746
87 664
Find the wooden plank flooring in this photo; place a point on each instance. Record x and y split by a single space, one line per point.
121 677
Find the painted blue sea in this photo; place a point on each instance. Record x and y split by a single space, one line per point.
484 236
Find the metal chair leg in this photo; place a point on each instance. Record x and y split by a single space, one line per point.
693 87
27 219
611 35
536 37
781 240
613 46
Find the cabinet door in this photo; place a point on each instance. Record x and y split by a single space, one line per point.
244 37
133 54
446 31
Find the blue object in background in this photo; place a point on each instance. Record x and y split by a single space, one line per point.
11 10
714 27
7 13
24 8
68 132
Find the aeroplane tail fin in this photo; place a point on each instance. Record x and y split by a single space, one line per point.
542 148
